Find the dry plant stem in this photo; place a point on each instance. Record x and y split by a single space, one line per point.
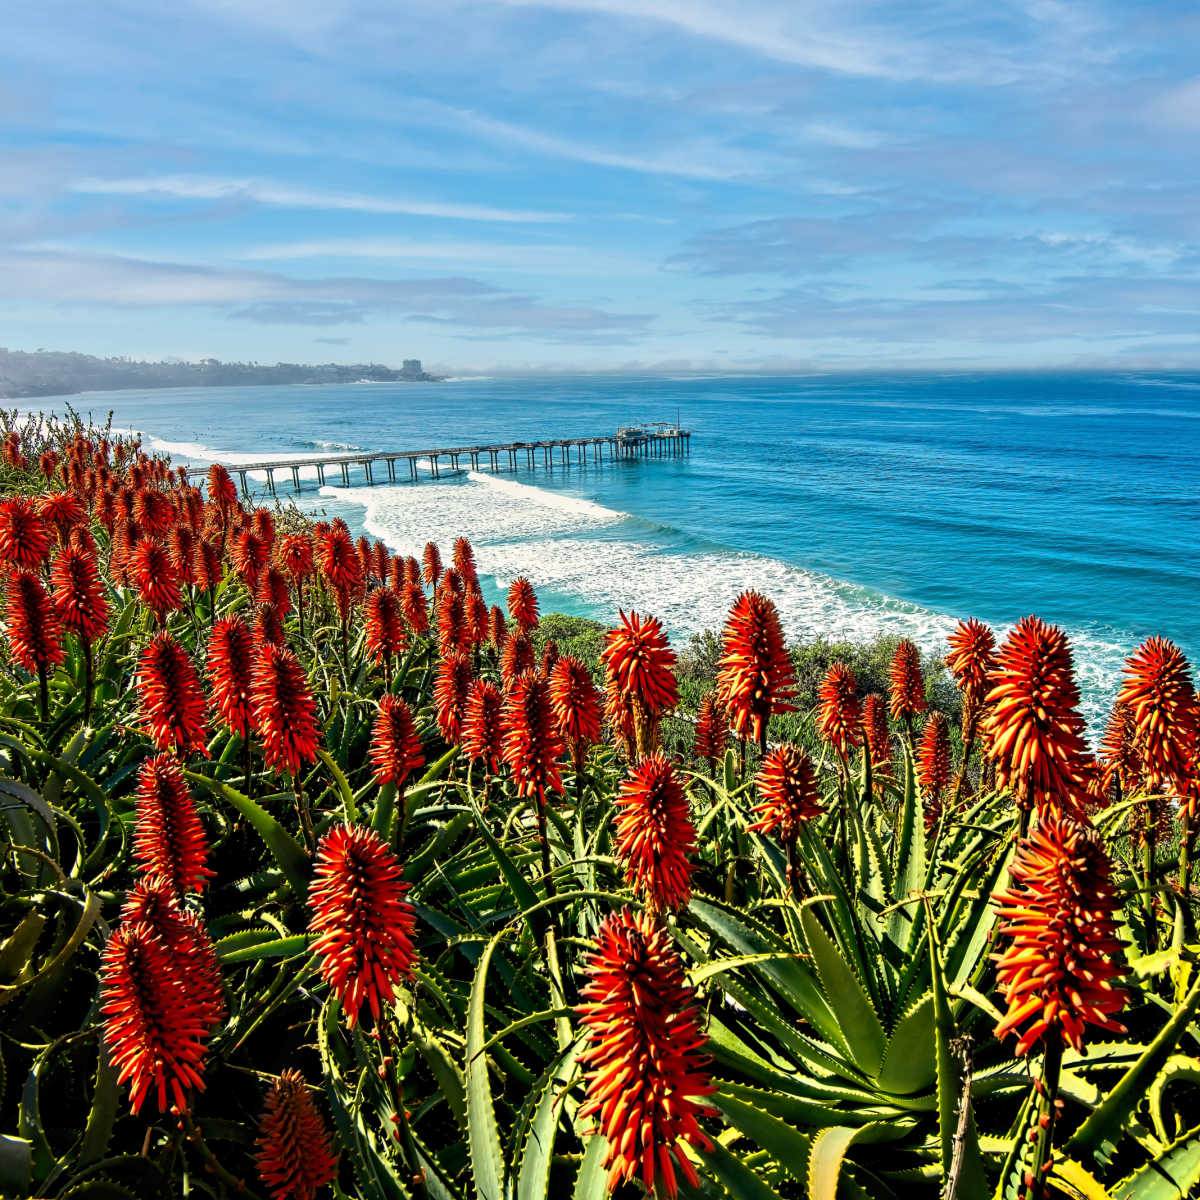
214 1164
1148 869
958 1156
43 692
306 821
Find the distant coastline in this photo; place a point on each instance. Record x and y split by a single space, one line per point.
25 374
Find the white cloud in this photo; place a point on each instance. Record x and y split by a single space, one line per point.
195 187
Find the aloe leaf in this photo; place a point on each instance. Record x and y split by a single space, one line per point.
592 1181
533 1179
1178 1068
483 1131
16 1165
784 1144
910 866
341 784
829 1150
1173 1175
862 1032
907 1064
287 947
733 1174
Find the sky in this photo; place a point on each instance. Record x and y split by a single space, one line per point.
604 184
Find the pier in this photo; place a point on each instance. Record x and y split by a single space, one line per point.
651 441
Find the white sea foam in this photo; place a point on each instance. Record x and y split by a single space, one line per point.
196 452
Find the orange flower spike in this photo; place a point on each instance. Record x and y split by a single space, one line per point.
62 510
412 605
532 745
497 631
78 595
933 765
755 677
876 735
788 795
295 554
522 604
906 687
230 665
464 563
712 731
644 1064
171 698
454 679
1160 699
482 731
1058 926
431 570
395 747
1119 758
972 657
285 715
169 843
295 1155
641 676
34 631
181 549
576 705
385 637
221 489
655 837
272 589
840 718
24 543
516 658
268 627
155 578
363 923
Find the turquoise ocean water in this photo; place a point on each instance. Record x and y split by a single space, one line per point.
861 504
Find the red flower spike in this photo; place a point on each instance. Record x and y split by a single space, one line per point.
78 595
210 570
153 574
172 702
24 543
972 657
549 657
933 765
285 715
1118 751
412 606
906 687
48 463
522 604
497 630
395 746
654 834
482 734
295 555
1161 701
272 589
221 489
262 525
477 620
231 656
876 736
454 679
248 556
34 631
62 510
464 563
1032 729
532 745
712 731
787 787
755 676
152 511
432 570
381 561
169 843
364 926
1059 919
385 637
576 704
340 565
365 557
181 548
268 627
840 718
643 1059
452 581
295 1155
451 620
641 664
154 1028
515 659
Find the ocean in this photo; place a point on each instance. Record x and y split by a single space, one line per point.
861 504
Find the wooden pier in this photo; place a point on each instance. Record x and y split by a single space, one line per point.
635 442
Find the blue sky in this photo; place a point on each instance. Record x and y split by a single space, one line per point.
632 184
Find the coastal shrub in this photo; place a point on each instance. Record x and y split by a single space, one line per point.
308 888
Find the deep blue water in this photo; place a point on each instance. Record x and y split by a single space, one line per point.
860 503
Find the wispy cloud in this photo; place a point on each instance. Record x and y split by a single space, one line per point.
254 191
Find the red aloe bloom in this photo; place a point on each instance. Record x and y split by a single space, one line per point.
840 718
576 703
62 510
285 714
262 524
172 701
655 835
1059 918
12 451
154 576
451 619
876 736
755 676
497 627
268 627
273 590
384 626
169 842
787 785
452 581
105 509
972 658
24 544
395 746
906 687
532 745
78 596
365 557
1033 731
48 463
231 654
644 1061
1161 702
82 540
209 567
476 618
221 489
549 657
152 511
363 923
712 731
342 568
454 679
34 632
154 1028
641 676
153 903
1118 750
296 555
464 563
412 605
432 570
482 732
295 1155
523 604
381 560
516 658
933 765
181 546
249 556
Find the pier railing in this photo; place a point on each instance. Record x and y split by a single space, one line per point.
655 443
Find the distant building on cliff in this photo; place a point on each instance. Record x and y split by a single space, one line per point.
412 366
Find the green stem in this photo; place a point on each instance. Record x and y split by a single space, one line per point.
86 647
1046 1113
43 692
